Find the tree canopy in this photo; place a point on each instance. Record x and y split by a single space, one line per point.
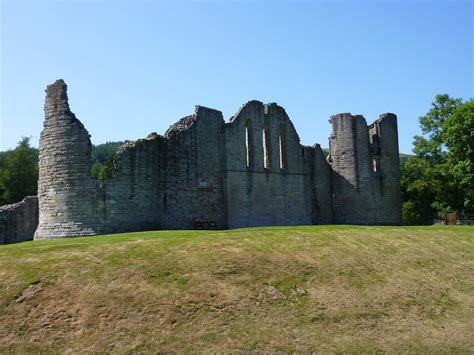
18 172
439 178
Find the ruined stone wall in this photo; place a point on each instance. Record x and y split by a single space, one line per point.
259 196
18 221
209 201
179 180
385 154
170 181
359 186
319 184
128 201
192 183
65 188
203 172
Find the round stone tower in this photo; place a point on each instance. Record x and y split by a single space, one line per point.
65 186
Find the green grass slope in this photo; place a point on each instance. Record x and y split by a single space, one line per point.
318 288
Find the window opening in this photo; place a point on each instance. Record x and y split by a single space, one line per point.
266 146
376 164
248 144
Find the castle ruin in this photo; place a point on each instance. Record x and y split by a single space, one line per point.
208 173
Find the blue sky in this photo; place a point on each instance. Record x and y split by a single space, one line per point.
136 67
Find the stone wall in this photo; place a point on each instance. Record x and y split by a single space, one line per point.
366 170
128 201
169 182
320 186
18 221
257 195
192 184
205 173
387 159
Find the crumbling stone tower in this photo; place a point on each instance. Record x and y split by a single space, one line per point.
65 187
365 160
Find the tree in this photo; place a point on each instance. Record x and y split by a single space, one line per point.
18 173
417 192
102 152
440 177
96 168
431 146
458 133
103 172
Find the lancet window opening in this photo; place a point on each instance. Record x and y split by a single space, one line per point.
248 144
282 148
376 164
266 145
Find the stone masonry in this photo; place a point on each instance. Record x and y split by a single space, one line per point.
208 173
18 221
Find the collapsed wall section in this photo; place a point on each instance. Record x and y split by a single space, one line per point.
168 182
128 201
65 186
18 221
319 183
192 183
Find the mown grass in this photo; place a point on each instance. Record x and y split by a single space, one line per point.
309 288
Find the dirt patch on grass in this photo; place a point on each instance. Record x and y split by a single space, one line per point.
29 292
302 289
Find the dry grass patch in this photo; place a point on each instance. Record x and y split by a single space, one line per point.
326 288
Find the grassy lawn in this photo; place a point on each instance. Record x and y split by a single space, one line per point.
315 288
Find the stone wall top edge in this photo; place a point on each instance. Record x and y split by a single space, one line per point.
259 104
316 150
345 115
199 108
130 145
181 125
15 205
265 109
246 105
386 117
57 83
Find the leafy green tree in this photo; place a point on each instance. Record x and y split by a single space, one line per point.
418 190
96 168
102 152
107 170
18 173
103 172
440 177
103 164
431 145
458 133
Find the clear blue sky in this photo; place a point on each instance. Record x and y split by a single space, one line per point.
136 67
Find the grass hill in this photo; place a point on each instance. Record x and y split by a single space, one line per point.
315 288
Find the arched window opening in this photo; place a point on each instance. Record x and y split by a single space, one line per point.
376 164
282 149
266 145
248 144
